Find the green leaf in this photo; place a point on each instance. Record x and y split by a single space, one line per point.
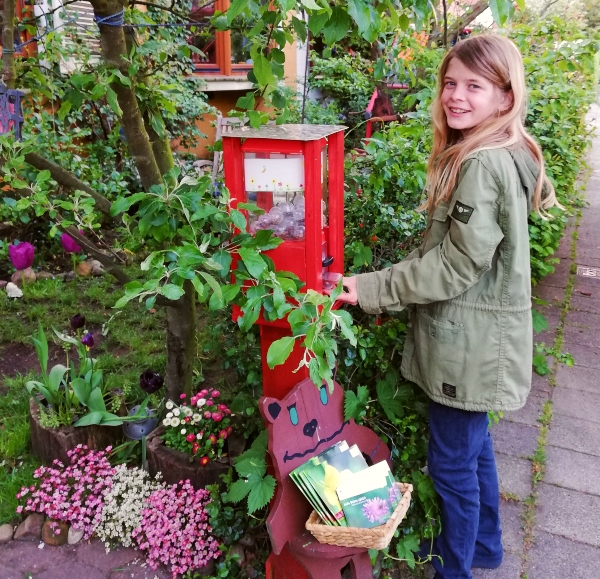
386 394
317 21
122 204
64 110
82 390
253 261
262 69
360 13
310 4
501 10
223 258
279 351
540 323
338 25
90 418
111 97
300 28
260 495
172 291
246 102
56 376
251 466
237 491
96 401
236 7
355 404
406 548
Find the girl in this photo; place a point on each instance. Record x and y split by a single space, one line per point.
469 343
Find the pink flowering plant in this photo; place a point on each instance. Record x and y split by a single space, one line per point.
175 530
199 428
75 493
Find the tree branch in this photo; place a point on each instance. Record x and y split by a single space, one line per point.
68 180
466 19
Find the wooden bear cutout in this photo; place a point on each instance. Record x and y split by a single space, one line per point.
306 422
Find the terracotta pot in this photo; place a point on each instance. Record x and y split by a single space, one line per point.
176 466
50 443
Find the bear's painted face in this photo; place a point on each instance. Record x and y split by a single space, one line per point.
307 420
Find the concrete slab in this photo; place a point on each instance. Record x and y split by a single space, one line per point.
530 413
510 569
515 439
568 513
572 470
586 284
587 257
576 404
578 335
574 434
578 378
584 320
514 475
553 557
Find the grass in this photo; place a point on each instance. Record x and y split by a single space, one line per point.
133 340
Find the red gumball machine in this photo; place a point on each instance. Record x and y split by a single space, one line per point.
295 173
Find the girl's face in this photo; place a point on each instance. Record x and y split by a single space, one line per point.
468 98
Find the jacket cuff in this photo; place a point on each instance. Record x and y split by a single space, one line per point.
367 288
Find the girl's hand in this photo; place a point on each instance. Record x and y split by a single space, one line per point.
349 295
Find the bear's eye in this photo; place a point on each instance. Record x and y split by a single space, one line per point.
293 414
323 394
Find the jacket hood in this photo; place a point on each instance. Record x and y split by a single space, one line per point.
528 171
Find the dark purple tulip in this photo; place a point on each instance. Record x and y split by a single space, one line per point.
151 381
77 322
21 255
69 244
88 340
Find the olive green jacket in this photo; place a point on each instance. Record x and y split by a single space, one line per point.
469 342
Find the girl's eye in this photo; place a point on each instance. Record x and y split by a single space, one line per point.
448 83
475 86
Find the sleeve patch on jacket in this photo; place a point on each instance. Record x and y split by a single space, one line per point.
462 212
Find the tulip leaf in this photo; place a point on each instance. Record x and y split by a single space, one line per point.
41 348
96 401
90 418
33 385
56 377
82 390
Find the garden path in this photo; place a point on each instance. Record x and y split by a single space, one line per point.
550 520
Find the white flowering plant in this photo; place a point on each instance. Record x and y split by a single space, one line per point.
200 428
123 505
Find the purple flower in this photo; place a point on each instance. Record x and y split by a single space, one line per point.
69 244
21 255
88 340
376 510
77 322
150 381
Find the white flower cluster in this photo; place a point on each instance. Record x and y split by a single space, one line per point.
177 416
123 505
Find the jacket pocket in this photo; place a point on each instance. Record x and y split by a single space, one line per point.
438 226
441 350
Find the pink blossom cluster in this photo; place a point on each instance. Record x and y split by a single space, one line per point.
74 494
175 529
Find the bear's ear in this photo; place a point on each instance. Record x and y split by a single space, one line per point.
270 409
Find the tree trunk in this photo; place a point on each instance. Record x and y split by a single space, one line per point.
114 52
181 344
9 72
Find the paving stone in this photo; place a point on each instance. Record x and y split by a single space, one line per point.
583 320
574 434
568 513
577 404
554 557
74 569
551 294
585 303
26 556
515 439
539 386
510 569
587 257
578 378
583 355
572 470
511 513
94 553
139 572
560 277
577 335
530 413
587 285
514 475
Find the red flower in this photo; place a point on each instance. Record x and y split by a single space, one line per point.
223 434
373 238
190 437
207 414
229 430
361 225
187 419
213 439
182 396
209 402
195 447
215 394
217 416
204 460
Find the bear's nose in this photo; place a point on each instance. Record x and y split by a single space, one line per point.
310 427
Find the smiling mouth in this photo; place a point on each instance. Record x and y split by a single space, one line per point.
457 111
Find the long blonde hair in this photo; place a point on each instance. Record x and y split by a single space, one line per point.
499 61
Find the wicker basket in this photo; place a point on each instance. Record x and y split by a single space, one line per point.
374 538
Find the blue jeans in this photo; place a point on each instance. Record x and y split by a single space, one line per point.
463 468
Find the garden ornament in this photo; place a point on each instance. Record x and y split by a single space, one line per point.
306 422
140 428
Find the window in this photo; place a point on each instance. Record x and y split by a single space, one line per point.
224 53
